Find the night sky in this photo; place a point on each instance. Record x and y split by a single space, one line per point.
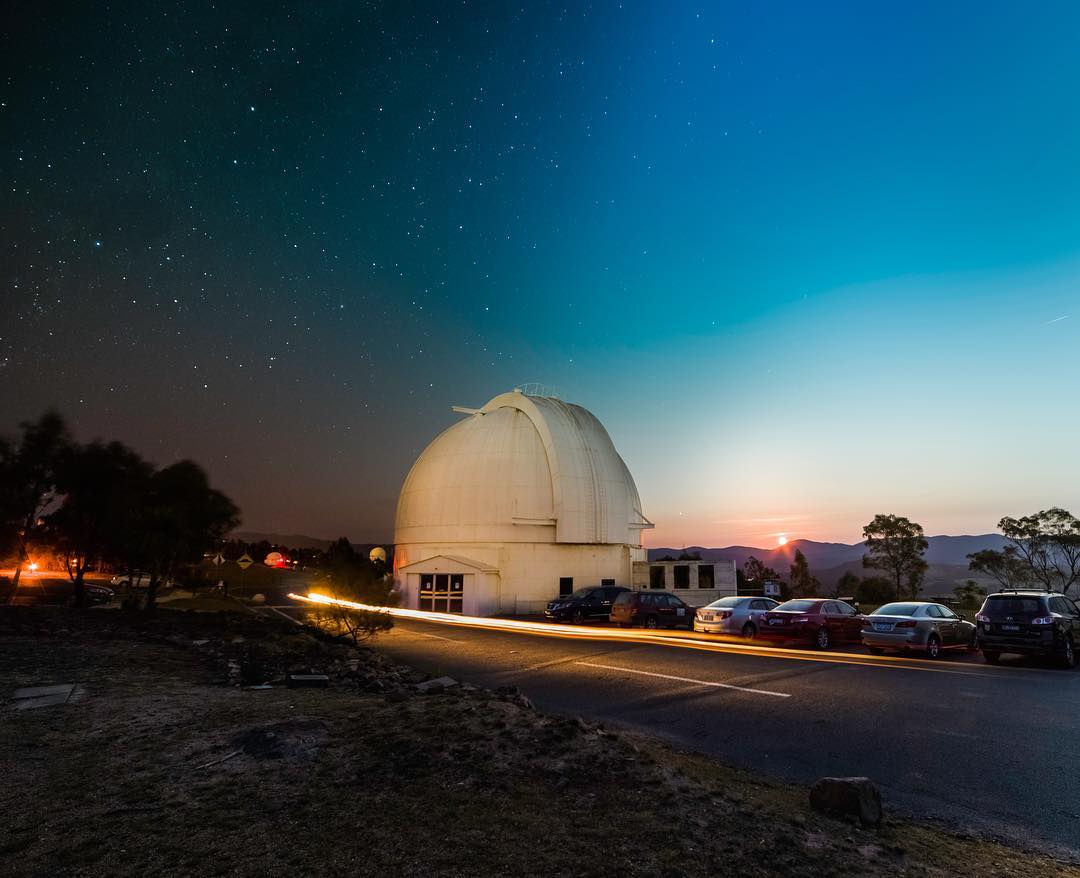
807 262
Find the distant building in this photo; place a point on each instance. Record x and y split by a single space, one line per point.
521 501
696 582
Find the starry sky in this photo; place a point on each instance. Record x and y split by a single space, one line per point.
807 262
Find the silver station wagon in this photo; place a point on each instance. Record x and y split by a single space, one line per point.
917 625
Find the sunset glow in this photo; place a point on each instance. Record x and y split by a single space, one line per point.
781 540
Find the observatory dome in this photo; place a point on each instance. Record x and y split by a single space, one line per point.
521 469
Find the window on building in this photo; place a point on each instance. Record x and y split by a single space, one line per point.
607 581
427 586
706 576
656 577
566 585
682 575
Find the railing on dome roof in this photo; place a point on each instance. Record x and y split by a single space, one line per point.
535 388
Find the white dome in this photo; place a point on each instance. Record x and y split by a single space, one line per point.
521 469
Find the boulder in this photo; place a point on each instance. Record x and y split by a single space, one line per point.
857 796
437 685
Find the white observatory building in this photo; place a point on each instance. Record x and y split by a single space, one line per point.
520 501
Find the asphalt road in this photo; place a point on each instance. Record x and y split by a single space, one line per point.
989 749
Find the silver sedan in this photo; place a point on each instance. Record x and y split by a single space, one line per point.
920 625
733 615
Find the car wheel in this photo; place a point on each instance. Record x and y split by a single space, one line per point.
650 622
991 657
875 650
823 640
933 647
1068 654
579 617
749 631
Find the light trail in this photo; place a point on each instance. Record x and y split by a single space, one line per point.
645 638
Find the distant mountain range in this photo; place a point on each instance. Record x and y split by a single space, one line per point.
940 550
945 555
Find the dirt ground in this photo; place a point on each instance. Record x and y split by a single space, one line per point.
169 765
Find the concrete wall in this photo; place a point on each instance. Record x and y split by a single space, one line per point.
724 580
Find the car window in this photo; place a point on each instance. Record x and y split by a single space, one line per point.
946 613
830 609
846 609
624 598
672 602
759 605
725 602
1072 607
1014 604
1057 605
934 611
896 610
799 606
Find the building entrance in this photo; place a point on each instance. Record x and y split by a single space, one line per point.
442 592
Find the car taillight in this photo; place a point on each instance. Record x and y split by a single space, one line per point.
981 617
802 619
1043 620
907 623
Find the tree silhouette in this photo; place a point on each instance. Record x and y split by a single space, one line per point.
28 471
895 546
180 519
101 486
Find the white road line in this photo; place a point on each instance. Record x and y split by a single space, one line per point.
687 680
284 615
437 636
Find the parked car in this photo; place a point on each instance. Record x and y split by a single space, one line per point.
1030 623
98 594
733 615
922 625
584 604
813 620
655 609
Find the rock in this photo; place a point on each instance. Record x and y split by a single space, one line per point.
437 685
857 796
307 681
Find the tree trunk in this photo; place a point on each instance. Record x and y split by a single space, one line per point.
80 586
151 592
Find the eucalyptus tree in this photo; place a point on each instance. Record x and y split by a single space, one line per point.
895 546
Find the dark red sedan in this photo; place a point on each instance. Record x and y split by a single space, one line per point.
812 620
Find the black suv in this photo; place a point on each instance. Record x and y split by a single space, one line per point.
1029 622
584 604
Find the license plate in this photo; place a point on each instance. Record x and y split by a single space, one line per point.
776 621
879 626
707 617
1010 627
